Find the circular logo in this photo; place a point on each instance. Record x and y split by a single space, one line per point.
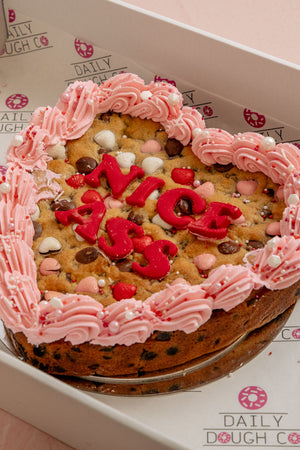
17 101
252 397
11 15
44 41
83 49
207 110
296 333
254 119
224 437
294 438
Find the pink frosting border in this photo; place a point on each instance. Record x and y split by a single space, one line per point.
79 318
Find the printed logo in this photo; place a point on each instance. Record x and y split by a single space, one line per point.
289 334
11 15
296 333
17 101
207 111
22 38
253 397
254 119
224 437
83 49
294 438
44 41
157 78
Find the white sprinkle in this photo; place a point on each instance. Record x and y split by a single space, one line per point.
101 282
151 164
274 261
56 302
129 315
5 188
145 95
125 159
173 99
106 139
268 143
17 140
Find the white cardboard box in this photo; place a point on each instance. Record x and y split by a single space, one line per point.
236 76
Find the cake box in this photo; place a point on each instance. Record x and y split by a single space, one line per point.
250 102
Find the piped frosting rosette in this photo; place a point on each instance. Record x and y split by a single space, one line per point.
78 318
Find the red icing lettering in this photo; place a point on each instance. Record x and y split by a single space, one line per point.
88 227
168 200
123 290
182 175
156 254
118 230
116 179
213 224
142 192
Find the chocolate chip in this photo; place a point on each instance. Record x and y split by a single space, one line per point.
269 192
229 247
86 164
253 244
136 218
124 265
104 150
86 255
38 229
148 356
223 168
173 147
63 204
105 117
184 207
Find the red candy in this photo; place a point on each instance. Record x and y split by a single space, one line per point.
118 230
142 192
91 196
76 181
117 180
123 290
213 224
156 254
168 200
183 176
88 227
139 244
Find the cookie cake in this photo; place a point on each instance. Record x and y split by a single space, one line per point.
136 242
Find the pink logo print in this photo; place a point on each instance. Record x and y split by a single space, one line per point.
16 101
207 110
254 119
296 333
11 15
252 397
157 78
294 438
44 41
83 49
224 437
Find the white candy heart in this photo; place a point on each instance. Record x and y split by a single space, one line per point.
159 221
125 159
152 164
106 139
36 213
49 245
57 151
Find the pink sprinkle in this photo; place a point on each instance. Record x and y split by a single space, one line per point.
205 190
273 229
204 261
246 187
151 146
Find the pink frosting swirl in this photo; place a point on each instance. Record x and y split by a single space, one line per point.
283 160
182 127
291 186
52 120
278 263
230 285
14 219
290 222
181 307
213 146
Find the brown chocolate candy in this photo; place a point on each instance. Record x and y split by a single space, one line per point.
136 218
38 229
124 265
222 168
63 204
86 164
254 244
184 207
229 247
173 147
86 255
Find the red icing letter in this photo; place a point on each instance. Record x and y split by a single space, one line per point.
142 192
156 254
213 224
168 200
88 227
118 230
117 181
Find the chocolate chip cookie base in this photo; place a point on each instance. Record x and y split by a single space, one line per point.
163 350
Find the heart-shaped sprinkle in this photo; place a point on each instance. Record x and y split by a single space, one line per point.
106 139
151 146
125 159
88 284
205 190
141 243
57 151
183 176
76 181
152 164
49 245
49 266
91 196
123 290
